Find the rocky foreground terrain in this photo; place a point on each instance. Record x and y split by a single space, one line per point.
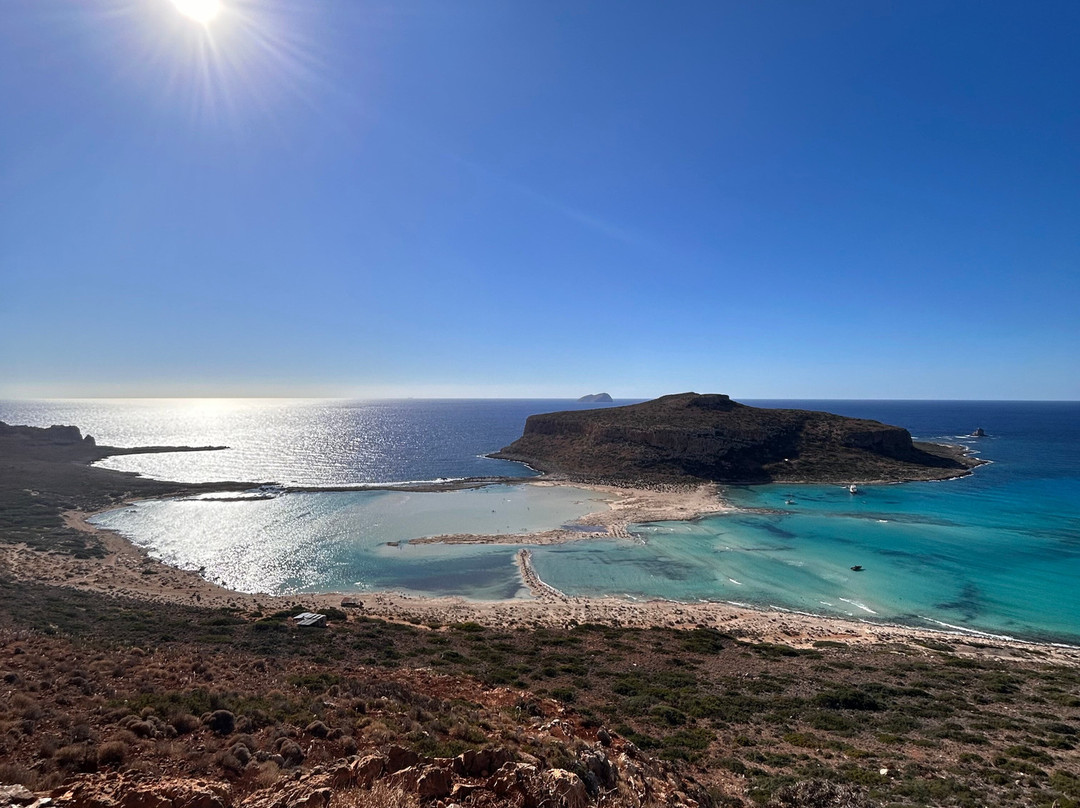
111 701
691 437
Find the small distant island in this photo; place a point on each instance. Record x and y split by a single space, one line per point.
595 398
690 437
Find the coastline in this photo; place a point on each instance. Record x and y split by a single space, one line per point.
124 570
127 571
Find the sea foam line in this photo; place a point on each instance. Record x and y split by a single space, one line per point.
966 630
858 605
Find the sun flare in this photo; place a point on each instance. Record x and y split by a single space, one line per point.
202 11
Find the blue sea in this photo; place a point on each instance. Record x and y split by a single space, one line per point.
997 552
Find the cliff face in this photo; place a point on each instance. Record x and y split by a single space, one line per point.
711 437
59 443
53 442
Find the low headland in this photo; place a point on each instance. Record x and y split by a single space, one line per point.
130 682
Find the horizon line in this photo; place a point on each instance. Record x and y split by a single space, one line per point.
510 398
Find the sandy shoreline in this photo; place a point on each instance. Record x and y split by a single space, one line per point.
127 571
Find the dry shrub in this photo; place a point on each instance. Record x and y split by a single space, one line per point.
77 757
381 795
379 733
142 767
46 781
241 753
48 746
229 762
10 773
142 729
185 723
290 750
81 732
817 794
221 722
26 707
112 753
124 735
269 773
199 762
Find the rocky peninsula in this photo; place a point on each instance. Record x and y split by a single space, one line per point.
694 438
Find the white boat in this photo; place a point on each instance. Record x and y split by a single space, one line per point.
854 489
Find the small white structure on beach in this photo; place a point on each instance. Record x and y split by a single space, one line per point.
310 619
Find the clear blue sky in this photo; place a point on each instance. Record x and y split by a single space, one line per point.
857 199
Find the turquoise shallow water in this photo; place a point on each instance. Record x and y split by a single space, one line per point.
995 552
341 540
986 574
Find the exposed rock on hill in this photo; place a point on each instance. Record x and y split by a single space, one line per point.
399 776
596 398
710 437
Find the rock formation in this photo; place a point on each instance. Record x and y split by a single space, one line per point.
596 398
54 435
688 437
486 777
67 443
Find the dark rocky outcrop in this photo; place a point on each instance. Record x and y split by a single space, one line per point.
52 440
596 398
689 436
57 442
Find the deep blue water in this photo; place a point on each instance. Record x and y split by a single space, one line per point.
301 442
996 552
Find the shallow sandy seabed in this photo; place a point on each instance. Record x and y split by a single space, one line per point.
126 571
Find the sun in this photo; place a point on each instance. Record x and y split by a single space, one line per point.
202 11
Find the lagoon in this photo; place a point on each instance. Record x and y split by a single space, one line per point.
996 552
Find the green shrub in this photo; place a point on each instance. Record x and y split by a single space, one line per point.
847 698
